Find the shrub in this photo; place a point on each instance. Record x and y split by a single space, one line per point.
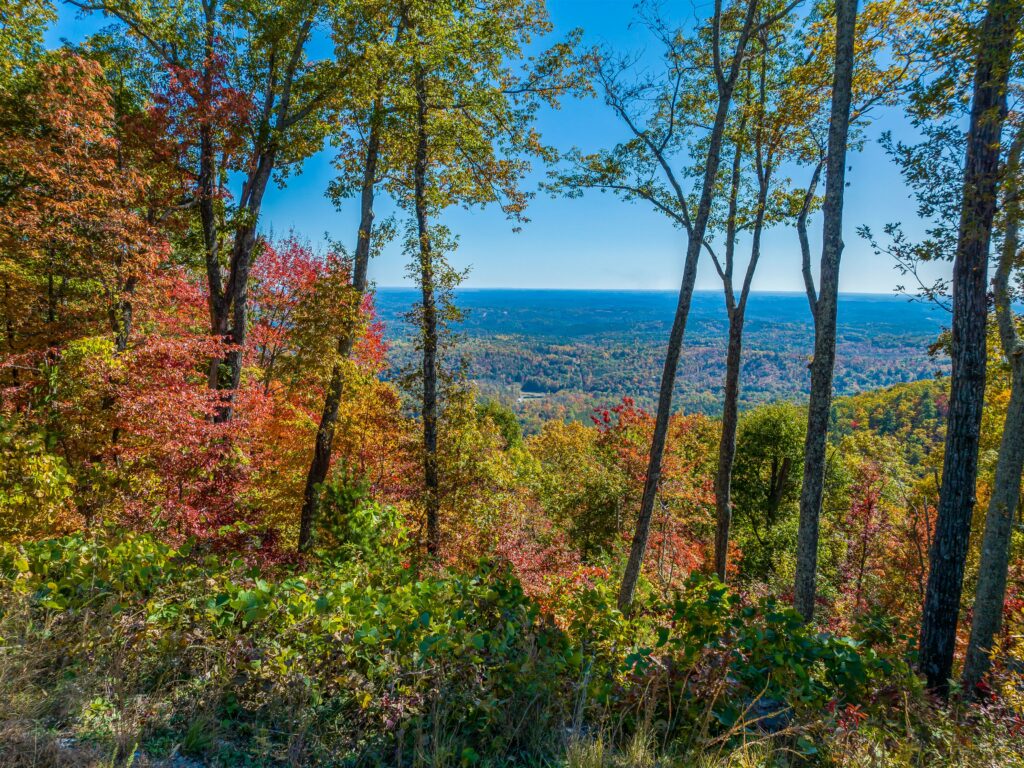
362 659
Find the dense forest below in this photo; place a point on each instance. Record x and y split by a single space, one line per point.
257 513
561 354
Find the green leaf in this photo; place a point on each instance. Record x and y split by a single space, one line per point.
806 746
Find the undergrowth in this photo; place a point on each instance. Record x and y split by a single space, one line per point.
121 650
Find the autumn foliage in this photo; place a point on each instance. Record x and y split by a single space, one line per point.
109 417
166 364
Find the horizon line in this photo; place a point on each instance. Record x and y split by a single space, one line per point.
892 294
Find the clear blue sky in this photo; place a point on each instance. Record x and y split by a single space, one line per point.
597 241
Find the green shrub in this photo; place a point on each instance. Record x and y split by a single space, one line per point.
36 485
360 659
343 659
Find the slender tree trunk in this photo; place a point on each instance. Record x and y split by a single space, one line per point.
695 241
329 417
661 423
207 187
429 319
229 305
237 294
995 547
727 443
733 364
730 401
122 315
948 553
825 314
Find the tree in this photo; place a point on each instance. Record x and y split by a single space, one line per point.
504 419
824 306
301 302
371 121
782 106
771 129
243 96
766 484
466 124
428 316
886 58
659 115
578 487
947 557
75 240
284 281
995 548
36 487
21 35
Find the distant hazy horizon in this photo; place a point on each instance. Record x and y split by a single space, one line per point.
606 312
584 289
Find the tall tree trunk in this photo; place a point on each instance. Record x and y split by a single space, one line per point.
695 242
237 293
229 305
948 553
995 546
727 443
825 312
207 188
329 417
734 361
730 401
122 314
429 320
661 423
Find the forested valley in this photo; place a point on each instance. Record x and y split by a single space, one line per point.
564 354
255 511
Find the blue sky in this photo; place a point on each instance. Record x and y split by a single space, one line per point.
597 241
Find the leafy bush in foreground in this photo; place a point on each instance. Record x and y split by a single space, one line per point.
128 644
